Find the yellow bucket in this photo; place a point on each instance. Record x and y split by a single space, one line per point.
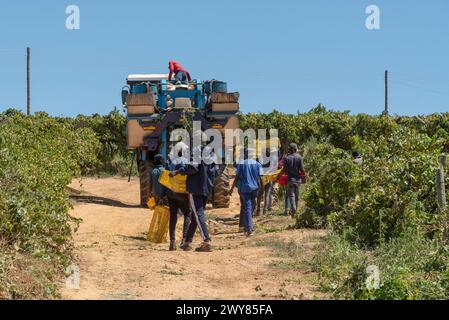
159 225
177 184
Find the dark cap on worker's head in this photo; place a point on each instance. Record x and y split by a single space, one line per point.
293 147
158 159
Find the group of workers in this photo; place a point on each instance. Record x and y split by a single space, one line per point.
200 183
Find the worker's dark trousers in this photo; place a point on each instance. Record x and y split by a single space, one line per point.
292 197
200 206
176 204
181 76
268 197
242 212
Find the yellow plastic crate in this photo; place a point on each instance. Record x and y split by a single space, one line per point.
159 225
176 184
272 177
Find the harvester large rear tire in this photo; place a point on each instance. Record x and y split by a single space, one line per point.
145 168
221 197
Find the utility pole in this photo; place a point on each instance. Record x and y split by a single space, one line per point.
28 82
386 92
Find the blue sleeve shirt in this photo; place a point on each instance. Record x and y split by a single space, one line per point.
249 172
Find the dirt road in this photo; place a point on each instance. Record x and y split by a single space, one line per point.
116 261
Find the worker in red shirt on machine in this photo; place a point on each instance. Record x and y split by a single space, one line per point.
179 72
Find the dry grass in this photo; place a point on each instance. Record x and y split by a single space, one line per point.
23 277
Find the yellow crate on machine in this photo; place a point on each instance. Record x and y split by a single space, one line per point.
177 184
159 225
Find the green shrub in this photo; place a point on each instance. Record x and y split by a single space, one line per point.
395 182
411 266
39 157
111 133
318 123
334 182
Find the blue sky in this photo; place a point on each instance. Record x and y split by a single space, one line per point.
288 55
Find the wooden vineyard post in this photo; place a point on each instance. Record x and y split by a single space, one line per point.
441 194
386 93
28 83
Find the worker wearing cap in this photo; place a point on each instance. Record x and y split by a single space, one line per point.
178 72
294 168
249 178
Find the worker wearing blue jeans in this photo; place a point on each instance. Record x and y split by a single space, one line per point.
199 201
249 199
249 179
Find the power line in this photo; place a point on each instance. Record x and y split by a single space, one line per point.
420 78
419 87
